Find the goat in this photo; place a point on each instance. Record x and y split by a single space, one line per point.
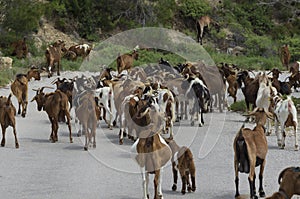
86 113
294 69
182 160
284 55
7 118
200 95
151 151
124 62
282 87
106 98
250 150
231 77
289 181
206 73
20 89
82 50
33 73
56 105
20 48
66 87
286 115
203 22
250 88
53 55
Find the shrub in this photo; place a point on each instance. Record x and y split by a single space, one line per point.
194 8
239 106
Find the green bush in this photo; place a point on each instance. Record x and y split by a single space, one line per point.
194 8
239 106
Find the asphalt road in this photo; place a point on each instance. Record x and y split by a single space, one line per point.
63 170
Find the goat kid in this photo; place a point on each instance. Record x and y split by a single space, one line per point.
182 160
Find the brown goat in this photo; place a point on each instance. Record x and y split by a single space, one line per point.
53 55
86 113
203 22
250 89
20 48
282 87
124 62
34 73
7 118
151 151
182 160
289 180
55 104
250 150
284 55
20 89
82 50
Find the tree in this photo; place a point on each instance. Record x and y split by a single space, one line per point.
21 17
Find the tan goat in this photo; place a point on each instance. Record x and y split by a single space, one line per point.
86 113
250 150
7 118
20 89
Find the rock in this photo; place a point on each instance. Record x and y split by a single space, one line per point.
6 63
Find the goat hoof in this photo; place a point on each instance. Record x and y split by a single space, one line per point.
71 141
262 193
296 148
200 125
193 189
183 192
2 144
114 123
120 142
85 148
94 145
17 145
192 123
189 189
174 187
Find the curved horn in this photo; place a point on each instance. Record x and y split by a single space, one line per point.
144 113
55 80
41 90
251 72
269 72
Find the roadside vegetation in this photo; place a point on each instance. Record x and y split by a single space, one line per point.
260 27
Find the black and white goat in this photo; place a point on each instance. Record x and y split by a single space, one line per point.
199 97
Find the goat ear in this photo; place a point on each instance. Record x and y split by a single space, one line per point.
33 99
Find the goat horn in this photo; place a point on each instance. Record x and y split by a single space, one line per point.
269 73
144 113
252 72
41 90
55 80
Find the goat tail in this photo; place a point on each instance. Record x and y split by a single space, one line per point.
8 100
281 174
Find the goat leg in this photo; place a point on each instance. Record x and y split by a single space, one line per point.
3 136
16 139
175 176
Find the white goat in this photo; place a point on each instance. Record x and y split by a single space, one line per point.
286 115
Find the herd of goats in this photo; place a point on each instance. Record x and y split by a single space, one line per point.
146 102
